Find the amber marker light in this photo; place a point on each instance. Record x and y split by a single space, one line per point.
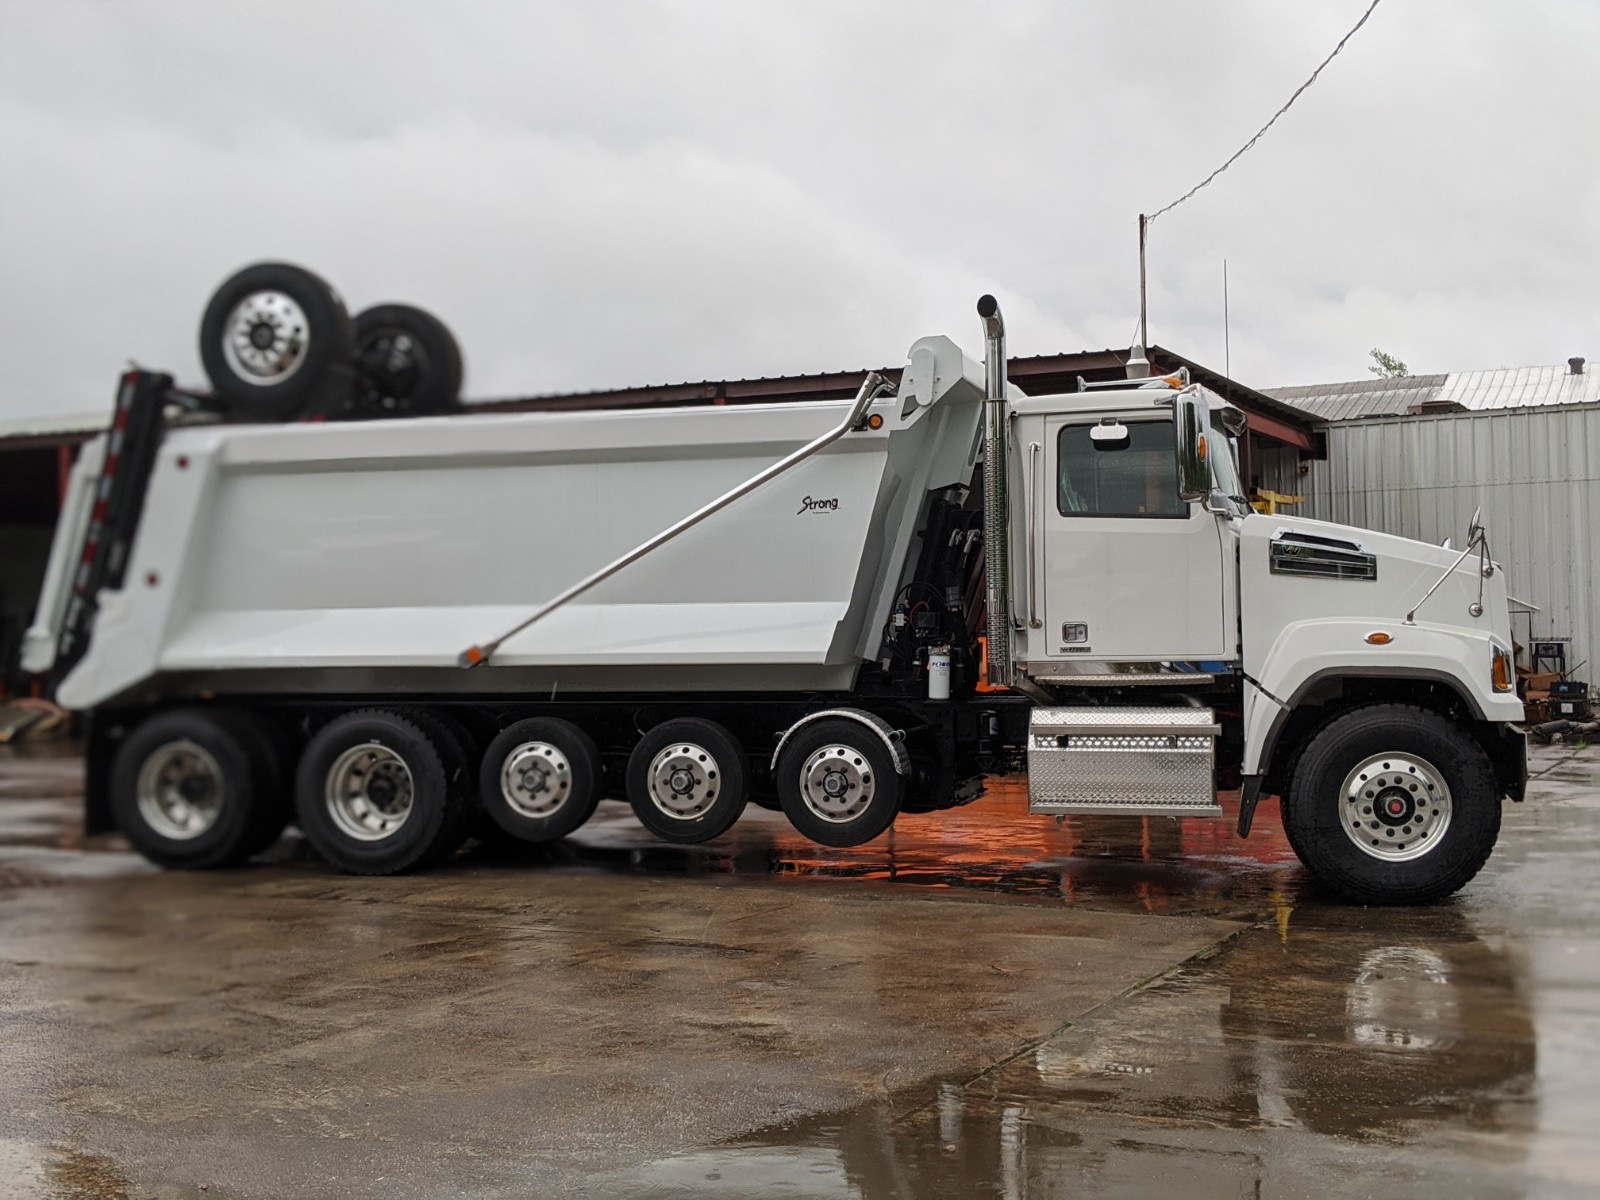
875 421
1378 638
1501 670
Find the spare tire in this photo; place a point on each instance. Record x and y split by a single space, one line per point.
268 337
407 363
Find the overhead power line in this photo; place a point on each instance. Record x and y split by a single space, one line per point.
1262 131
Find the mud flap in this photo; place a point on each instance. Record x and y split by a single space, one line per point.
1249 797
98 750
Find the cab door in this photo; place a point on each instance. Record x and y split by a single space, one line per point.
1130 572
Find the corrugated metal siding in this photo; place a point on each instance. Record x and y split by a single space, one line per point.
1536 475
1275 468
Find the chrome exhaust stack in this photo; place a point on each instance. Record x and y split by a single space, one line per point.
996 534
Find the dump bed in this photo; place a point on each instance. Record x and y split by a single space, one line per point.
365 557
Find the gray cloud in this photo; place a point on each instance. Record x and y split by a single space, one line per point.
616 193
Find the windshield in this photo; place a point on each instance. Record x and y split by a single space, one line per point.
1220 451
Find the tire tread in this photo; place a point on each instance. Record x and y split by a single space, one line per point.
1476 810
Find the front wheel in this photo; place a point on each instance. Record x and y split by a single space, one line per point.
1391 804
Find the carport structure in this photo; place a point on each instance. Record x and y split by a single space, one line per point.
35 458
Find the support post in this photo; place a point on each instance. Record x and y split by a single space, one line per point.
1144 321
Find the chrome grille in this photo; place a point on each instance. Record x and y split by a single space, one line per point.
1321 557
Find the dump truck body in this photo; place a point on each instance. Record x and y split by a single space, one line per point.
364 557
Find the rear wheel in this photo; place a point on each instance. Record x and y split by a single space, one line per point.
1391 804
196 788
459 753
838 784
540 779
373 794
268 337
687 780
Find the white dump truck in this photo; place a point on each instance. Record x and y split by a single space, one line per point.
385 630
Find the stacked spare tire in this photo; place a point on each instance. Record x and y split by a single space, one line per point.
278 345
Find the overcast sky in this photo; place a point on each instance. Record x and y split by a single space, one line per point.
603 194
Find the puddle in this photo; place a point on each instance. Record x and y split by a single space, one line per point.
1324 1046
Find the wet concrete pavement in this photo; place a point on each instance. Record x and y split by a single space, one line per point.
981 1003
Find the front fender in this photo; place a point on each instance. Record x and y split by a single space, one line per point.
1309 652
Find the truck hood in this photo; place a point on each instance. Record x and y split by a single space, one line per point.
1319 569
1312 594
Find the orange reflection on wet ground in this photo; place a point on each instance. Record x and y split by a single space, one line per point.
1150 863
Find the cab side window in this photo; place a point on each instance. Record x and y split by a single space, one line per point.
1138 480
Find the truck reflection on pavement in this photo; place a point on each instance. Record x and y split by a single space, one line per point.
1297 1051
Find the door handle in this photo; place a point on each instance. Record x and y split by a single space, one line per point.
1033 556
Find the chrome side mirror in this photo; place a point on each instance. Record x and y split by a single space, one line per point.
1189 416
1234 420
1110 434
1475 527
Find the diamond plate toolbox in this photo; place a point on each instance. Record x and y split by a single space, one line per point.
1144 760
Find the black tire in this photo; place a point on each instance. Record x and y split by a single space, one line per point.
715 780
1412 752
540 779
270 750
192 788
362 821
309 332
407 363
459 753
861 763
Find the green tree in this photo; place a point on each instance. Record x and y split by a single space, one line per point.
1387 365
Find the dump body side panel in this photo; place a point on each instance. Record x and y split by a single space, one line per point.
383 549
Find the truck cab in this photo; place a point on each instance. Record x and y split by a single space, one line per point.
1115 567
1143 582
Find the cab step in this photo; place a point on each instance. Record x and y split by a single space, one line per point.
1123 760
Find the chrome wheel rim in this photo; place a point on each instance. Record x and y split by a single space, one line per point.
837 783
180 790
1395 807
264 339
684 781
369 792
536 779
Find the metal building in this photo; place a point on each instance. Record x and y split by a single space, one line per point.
1417 456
